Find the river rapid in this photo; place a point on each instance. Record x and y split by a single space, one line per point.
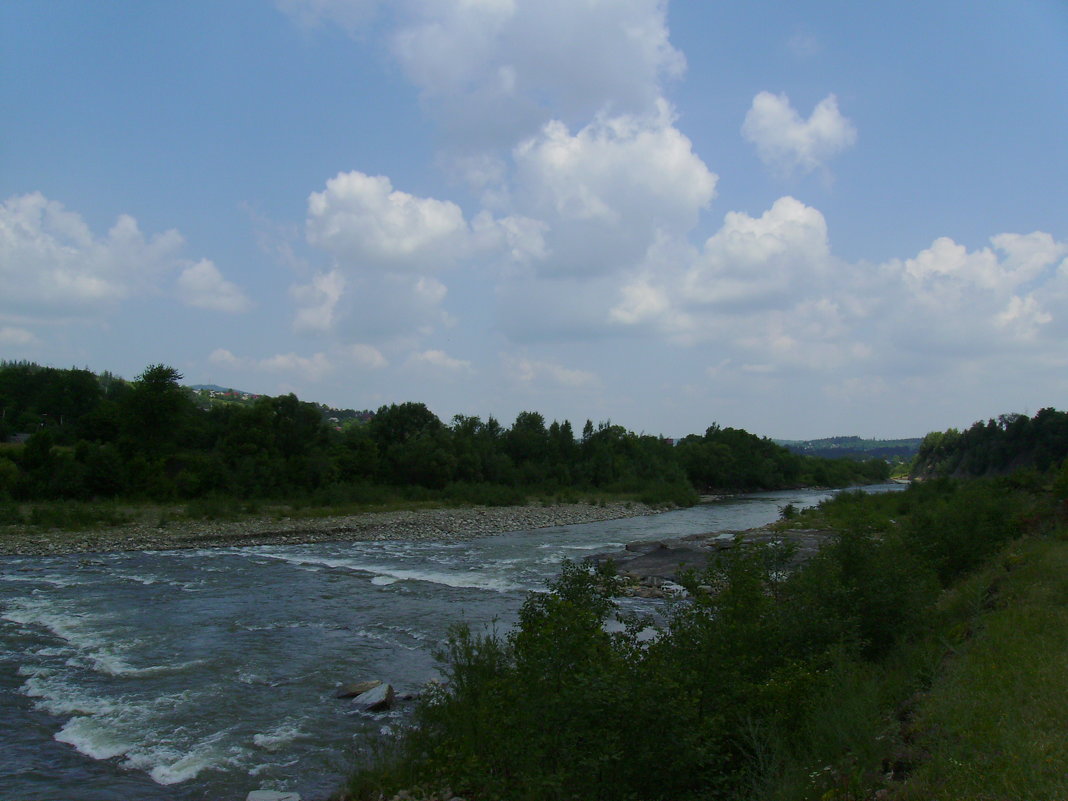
203 674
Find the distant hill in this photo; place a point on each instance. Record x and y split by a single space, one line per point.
217 388
855 448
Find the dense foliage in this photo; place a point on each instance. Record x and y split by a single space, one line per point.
733 459
753 690
102 437
996 446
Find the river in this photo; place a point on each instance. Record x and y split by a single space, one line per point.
203 674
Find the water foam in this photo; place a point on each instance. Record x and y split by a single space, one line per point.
467 580
282 734
88 736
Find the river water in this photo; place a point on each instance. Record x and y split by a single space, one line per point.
204 674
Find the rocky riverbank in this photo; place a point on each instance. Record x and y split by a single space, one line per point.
420 524
652 569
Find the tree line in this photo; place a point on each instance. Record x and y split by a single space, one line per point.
995 447
98 436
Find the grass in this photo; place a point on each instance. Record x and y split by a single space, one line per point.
993 723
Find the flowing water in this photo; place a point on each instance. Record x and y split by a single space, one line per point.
205 674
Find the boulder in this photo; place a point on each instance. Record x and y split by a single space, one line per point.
377 699
271 795
359 688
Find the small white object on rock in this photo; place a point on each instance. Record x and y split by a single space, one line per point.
271 795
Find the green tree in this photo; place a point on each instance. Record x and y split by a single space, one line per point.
156 412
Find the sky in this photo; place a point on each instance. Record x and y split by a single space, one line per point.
801 219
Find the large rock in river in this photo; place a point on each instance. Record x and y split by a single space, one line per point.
359 688
377 699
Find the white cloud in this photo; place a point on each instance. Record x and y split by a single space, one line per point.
51 261
203 286
786 142
385 244
318 301
760 261
12 336
363 222
611 166
225 358
441 360
608 191
313 367
495 70
536 373
365 356
969 303
520 239
640 301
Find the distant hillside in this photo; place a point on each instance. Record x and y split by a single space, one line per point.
855 448
217 388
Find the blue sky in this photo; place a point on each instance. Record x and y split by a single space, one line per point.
801 219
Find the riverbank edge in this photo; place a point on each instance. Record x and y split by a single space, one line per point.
445 524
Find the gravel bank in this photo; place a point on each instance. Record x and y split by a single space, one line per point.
422 524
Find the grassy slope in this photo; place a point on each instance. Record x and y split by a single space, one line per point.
993 724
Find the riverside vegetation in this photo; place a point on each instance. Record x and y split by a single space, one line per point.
99 444
919 655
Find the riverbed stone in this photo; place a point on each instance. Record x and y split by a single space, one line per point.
272 795
359 688
420 524
377 699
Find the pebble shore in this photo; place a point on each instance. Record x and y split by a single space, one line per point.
420 524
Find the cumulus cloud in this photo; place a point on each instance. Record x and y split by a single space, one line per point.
203 286
363 221
51 260
51 263
317 301
760 261
609 190
750 269
495 70
786 142
974 301
385 244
